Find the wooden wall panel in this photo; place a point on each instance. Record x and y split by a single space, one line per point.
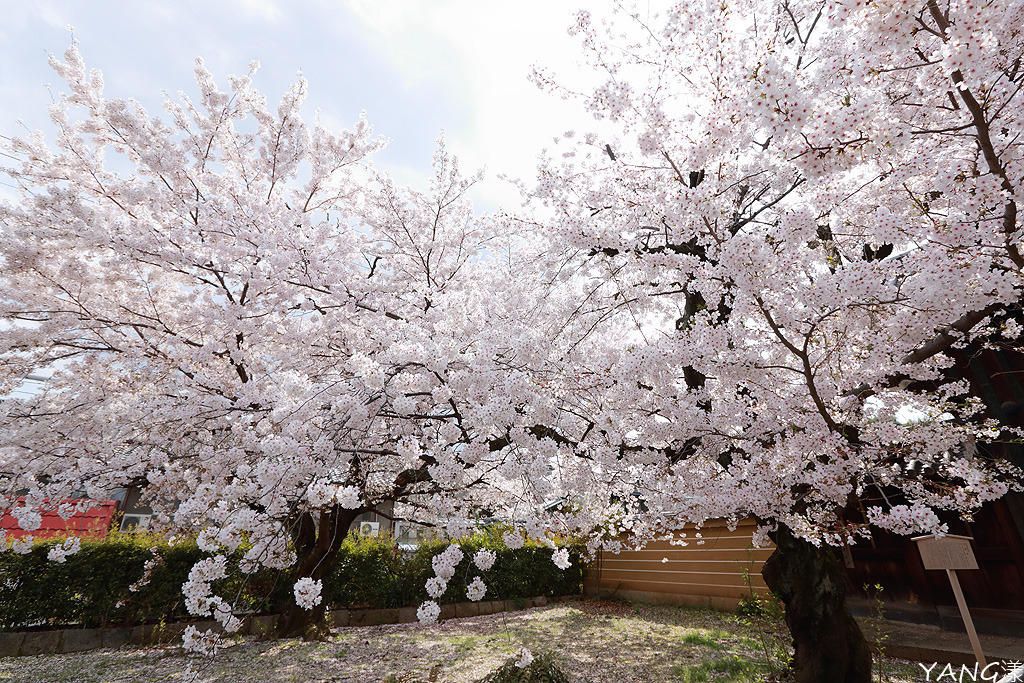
708 571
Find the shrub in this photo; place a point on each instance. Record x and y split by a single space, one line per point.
542 669
88 587
91 588
373 572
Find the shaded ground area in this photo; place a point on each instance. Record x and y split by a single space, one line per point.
596 641
926 643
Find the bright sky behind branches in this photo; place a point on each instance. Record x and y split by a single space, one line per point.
418 67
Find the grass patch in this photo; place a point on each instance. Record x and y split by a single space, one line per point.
734 669
711 639
463 643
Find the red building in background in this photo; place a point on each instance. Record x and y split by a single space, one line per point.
93 523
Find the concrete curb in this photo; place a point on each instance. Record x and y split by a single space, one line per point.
930 644
31 643
917 653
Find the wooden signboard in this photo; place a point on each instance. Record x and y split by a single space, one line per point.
952 553
847 556
948 552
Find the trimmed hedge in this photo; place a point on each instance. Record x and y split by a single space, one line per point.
372 573
91 588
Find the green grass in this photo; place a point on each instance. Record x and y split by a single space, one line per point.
712 639
732 669
463 644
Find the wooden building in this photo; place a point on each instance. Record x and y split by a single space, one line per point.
995 591
714 570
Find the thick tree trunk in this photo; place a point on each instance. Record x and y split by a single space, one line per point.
828 645
317 550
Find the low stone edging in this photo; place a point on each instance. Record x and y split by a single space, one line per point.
65 641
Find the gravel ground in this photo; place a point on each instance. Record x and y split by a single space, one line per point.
596 641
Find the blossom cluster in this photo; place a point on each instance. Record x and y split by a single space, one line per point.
445 562
348 497
436 586
907 519
484 559
307 592
428 612
513 539
476 590
204 643
22 545
197 589
199 597
59 553
561 558
29 518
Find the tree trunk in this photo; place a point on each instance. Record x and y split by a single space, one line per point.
317 550
299 622
828 646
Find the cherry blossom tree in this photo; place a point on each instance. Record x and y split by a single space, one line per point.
249 323
788 213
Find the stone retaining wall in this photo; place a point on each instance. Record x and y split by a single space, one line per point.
29 643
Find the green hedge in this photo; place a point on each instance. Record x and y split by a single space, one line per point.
91 588
374 573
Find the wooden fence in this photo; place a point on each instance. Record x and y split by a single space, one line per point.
715 573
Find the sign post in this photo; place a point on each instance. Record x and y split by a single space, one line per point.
952 553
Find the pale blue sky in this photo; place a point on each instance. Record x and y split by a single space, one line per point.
418 67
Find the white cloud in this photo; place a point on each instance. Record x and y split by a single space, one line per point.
265 9
487 51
